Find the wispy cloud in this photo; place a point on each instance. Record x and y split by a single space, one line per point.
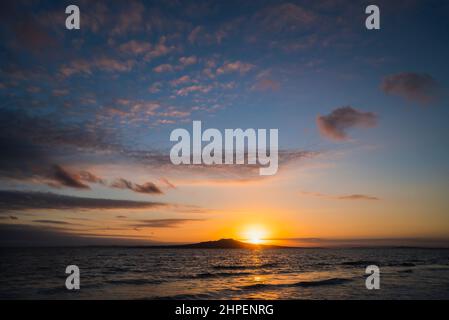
163 223
23 200
235 66
57 235
339 197
101 63
148 187
266 84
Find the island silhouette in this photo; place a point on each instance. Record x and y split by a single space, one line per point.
221 244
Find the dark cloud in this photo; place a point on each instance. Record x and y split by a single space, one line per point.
418 87
149 187
68 179
335 124
56 222
12 235
23 200
54 130
163 223
90 177
33 147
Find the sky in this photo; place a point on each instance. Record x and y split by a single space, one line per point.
86 117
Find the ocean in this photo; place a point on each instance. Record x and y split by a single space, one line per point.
149 273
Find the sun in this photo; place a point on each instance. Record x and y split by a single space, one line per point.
255 235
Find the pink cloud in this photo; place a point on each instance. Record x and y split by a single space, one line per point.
135 47
100 63
236 66
163 68
187 61
181 80
194 88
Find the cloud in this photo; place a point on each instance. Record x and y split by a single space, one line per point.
187 61
102 63
358 197
367 242
181 80
167 183
417 87
194 34
25 200
224 173
149 51
148 188
236 66
55 222
339 197
42 132
135 47
68 179
90 177
155 87
284 18
35 236
334 125
159 50
174 114
130 18
163 68
32 151
266 85
195 88
163 223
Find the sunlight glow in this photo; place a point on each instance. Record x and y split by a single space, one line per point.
255 235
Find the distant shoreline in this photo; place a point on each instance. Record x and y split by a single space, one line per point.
226 244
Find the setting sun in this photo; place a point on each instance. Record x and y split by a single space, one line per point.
255 235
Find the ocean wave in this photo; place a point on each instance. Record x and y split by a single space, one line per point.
358 263
304 284
207 275
199 296
325 282
406 271
134 281
365 263
241 267
401 264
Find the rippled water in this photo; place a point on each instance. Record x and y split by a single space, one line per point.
142 273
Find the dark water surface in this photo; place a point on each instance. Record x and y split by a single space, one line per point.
143 273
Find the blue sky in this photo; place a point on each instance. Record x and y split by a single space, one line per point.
88 113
